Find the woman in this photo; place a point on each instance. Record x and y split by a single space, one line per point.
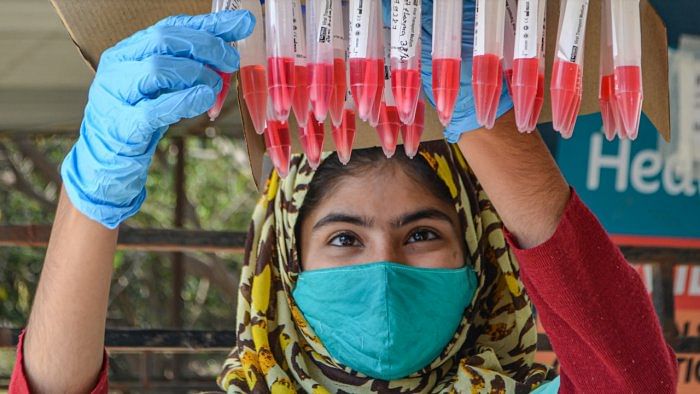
385 276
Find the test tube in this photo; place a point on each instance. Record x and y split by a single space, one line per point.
383 72
365 63
311 138
252 73
527 60
340 44
344 133
405 57
606 92
277 141
487 69
300 104
412 133
213 112
447 56
319 30
627 58
567 71
279 36
388 123
509 42
539 96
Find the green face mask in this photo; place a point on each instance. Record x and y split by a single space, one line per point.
386 320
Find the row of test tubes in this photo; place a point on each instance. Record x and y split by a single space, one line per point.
339 59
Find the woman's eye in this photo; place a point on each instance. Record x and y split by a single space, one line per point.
422 235
344 240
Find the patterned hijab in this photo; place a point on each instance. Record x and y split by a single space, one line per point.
277 351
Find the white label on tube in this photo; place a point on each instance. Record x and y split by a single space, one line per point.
388 96
526 42
543 30
299 38
511 11
479 33
230 5
573 30
325 25
405 28
338 26
359 28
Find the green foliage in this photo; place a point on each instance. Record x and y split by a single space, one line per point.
221 191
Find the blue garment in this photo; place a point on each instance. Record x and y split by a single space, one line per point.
551 387
386 320
144 84
464 117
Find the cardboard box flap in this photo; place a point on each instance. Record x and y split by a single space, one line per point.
95 25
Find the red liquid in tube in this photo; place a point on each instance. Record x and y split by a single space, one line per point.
344 136
281 84
411 134
254 87
278 144
446 74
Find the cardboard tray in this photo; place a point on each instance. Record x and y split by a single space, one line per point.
95 25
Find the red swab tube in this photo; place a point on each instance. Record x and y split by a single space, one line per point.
279 38
213 112
365 63
509 42
388 123
340 43
319 31
300 104
627 58
277 142
567 72
344 133
405 57
527 60
252 71
487 70
606 92
311 138
412 133
539 97
383 72
447 56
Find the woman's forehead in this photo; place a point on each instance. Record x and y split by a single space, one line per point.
380 195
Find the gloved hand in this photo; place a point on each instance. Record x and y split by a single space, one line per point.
464 118
144 84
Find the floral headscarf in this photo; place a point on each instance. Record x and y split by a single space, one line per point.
277 351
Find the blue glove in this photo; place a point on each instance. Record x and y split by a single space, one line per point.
464 118
144 84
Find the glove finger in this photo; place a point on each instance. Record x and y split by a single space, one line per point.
179 42
133 81
170 108
229 25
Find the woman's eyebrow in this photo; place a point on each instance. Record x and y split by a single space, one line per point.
343 218
429 213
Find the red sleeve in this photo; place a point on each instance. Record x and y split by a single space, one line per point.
19 384
595 309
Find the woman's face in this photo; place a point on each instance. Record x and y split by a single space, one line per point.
381 216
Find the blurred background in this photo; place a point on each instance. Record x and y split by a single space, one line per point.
173 296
